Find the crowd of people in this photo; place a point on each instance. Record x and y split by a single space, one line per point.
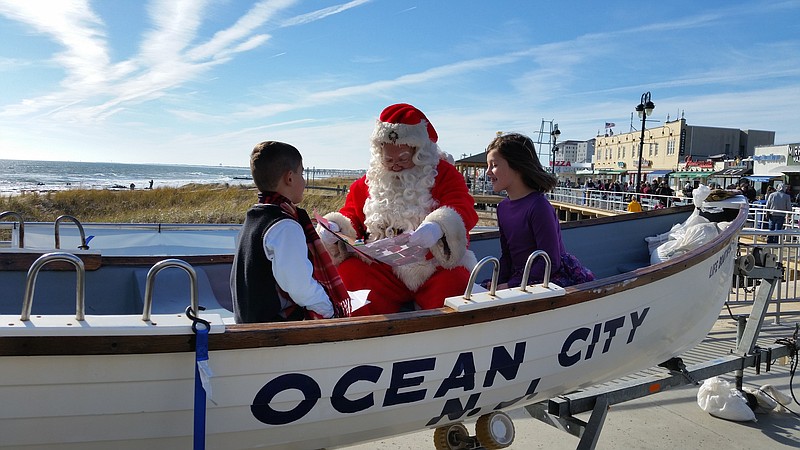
655 187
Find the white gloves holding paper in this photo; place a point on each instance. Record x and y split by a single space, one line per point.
328 237
427 235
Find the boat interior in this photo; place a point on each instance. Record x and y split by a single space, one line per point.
117 259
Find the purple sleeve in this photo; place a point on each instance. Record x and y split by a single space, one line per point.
506 268
547 233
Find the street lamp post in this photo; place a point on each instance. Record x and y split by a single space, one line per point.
555 133
644 109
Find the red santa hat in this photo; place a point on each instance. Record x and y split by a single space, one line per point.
404 124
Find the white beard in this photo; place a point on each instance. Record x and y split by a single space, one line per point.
398 201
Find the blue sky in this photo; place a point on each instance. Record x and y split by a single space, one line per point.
201 82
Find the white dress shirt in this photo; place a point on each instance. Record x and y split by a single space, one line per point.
285 242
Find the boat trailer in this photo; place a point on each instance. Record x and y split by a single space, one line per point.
560 411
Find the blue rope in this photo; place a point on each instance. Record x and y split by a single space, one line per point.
201 353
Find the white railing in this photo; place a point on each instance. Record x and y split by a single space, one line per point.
786 297
757 217
614 200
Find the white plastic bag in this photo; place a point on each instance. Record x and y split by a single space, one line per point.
688 239
770 398
721 399
699 195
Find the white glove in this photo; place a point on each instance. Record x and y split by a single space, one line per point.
427 235
328 237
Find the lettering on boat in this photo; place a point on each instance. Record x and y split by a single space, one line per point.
405 381
460 390
722 260
605 331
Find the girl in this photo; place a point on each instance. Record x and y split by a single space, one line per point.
527 220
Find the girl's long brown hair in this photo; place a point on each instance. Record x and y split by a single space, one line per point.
520 153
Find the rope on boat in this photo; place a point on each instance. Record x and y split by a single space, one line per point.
202 377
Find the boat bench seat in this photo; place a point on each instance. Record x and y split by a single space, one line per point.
171 291
481 300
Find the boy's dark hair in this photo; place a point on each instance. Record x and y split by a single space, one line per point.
270 160
520 153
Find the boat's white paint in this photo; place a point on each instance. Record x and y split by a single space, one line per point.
127 401
102 401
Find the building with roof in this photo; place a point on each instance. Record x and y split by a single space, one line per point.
675 150
772 163
585 153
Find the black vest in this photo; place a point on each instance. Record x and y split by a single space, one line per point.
253 286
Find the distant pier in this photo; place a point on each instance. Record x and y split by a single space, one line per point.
314 172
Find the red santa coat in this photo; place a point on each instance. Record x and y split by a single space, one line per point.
445 274
449 190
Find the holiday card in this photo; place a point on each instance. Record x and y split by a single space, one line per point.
392 251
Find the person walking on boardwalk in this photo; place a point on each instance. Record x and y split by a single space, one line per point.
778 203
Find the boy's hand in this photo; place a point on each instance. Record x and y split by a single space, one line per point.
426 235
328 237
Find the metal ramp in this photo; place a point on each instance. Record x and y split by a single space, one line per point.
718 354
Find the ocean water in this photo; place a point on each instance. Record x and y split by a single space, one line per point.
18 176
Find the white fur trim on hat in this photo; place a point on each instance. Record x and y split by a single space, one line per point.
400 133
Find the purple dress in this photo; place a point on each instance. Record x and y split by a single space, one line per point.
529 224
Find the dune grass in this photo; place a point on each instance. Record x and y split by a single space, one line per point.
197 203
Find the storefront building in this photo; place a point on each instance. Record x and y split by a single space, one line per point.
777 163
675 151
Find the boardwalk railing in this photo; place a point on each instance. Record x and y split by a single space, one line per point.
613 200
785 299
337 190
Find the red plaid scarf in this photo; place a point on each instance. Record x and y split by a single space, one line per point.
324 270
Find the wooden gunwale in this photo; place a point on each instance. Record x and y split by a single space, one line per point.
22 261
245 336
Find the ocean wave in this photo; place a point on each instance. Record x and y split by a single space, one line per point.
20 176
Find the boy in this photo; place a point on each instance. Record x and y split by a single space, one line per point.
278 273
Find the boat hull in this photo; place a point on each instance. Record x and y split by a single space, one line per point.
119 382
325 394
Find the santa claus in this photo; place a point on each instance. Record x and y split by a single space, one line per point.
411 186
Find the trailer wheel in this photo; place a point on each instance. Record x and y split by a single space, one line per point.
495 430
451 437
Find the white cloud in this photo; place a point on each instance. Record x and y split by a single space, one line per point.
322 13
501 80
222 40
94 89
